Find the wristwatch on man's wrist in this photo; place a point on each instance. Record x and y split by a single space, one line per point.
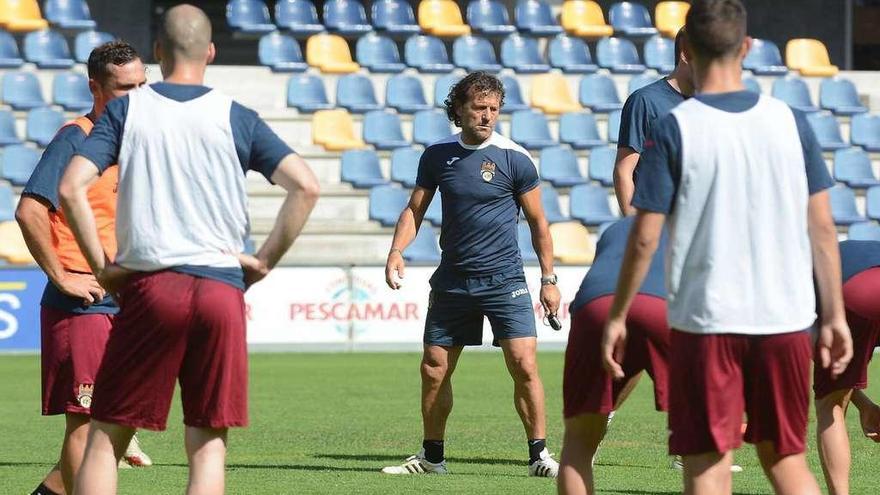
549 279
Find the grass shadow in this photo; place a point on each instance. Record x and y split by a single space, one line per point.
400 458
284 467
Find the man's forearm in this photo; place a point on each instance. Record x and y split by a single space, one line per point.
623 191
82 222
33 219
826 266
543 244
405 230
290 221
861 400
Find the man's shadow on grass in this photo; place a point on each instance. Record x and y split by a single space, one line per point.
399 459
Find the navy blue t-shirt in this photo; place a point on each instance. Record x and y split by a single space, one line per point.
601 280
643 107
858 256
480 188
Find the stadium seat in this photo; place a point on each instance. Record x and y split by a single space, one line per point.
793 90
530 129
513 99
442 85
669 17
361 169
613 126
550 202
21 91
865 131
334 130
863 231
752 84
42 124
550 93
589 204
872 202
355 93
764 59
843 205
8 133
405 94
86 41
598 92
427 54
48 49
840 96
853 166
473 53
524 240
579 130
827 131
382 129
424 247
386 203
631 19
10 58
660 54
601 165
405 166
489 17
619 55
21 16
430 126
7 203
249 17
810 57
71 91
394 17
559 166
572 244
13 248
571 55
536 18
306 93
378 53
69 14
522 55
584 18
281 53
434 214
299 17
442 18
18 162
640 81
346 17
330 54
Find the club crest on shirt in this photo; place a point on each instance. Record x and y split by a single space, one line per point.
84 396
487 170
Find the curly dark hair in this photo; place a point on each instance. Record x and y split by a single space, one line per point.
113 52
480 82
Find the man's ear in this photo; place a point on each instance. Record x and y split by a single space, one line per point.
212 52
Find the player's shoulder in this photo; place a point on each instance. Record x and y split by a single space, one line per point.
505 143
70 133
443 146
646 94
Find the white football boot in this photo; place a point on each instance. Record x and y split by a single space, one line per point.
417 464
545 467
134 456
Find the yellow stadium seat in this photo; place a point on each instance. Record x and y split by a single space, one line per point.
442 18
584 18
810 57
21 16
572 243
12 246
551 94
669 17
334 130
330 54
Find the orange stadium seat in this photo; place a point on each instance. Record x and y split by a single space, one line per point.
334 130
21 16
330 54
442 18
12 246
572 243
551 94
669 17
584 18
810 57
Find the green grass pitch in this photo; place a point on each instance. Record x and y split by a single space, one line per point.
326 423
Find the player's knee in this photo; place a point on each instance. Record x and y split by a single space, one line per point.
524 368
434 371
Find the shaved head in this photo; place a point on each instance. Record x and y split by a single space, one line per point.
185 34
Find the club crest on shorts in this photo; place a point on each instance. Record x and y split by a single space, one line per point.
487 170
84 396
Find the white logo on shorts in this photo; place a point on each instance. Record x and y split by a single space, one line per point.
518 292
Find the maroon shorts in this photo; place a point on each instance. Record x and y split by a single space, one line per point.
715 378
72 346
175 327
861 296
586 386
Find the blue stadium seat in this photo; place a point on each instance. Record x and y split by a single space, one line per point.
473 53
300 17
442 85
513 99
550 202
631 19
427 54
434 214
378 54
752 84
524 240
42 124
865 131
281 53
361 169
386 204
21 91
424 247
619 55
530 129
536 18
489 17
18 163
571 55
598 92
8 133
382 130
579 130
827 131
306 93
640 81
613 126
394 17
48 49
522 55
405 165
872 202
10 58
69 14
430 126
853 166
405 94
346 17
864 231
793 90
355 93
86 41
840 96
589 204
7 203
764 59
71 91
843 205
601 165
249 16
660 54
559 166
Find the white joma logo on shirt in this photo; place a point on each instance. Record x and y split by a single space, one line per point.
452 160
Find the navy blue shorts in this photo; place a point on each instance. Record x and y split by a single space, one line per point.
457 305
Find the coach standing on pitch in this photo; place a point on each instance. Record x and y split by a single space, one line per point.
484 179
183 150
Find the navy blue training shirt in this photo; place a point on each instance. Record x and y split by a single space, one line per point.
858 256
479 187
643 107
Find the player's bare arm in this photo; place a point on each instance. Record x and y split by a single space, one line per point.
407 226
869 414
624 186
543 244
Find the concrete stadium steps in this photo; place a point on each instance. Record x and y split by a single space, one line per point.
335 249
